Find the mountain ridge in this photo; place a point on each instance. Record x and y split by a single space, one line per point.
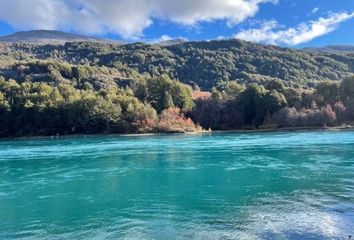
58 37
346 49
49 37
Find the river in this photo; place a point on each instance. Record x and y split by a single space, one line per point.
284 185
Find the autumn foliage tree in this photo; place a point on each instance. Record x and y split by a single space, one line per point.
173 120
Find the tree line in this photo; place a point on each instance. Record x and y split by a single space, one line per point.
274 105
38 108
167 106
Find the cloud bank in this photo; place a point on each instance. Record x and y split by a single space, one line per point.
270 32
127 18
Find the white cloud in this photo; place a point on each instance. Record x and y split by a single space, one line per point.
128 18
315 10
162 38
271 32
47 14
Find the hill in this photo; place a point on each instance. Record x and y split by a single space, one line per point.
333 49
204 64
48 37
85 87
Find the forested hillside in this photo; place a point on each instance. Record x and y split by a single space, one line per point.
91 87
205 64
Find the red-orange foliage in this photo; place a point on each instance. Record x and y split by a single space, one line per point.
173 120
201 95
146 125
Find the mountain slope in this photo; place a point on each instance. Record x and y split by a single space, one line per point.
205 63
212 63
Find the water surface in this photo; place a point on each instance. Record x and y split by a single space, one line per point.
211 186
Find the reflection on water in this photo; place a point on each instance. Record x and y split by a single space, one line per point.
211 186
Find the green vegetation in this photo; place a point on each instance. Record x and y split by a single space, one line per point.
86 87
328 104
205 64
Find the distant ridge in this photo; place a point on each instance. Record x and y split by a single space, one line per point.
49 37
172 42
346 49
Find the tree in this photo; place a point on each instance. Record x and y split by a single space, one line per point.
11 89
347 89
180 93
4 104
293 96
233 89
276 85
167 101
273 101
327 92
330 116
252 104
182 96
216 95
314 117
350 108
341 111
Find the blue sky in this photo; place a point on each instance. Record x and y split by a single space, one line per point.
296 23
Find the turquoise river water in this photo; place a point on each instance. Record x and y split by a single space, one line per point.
286 185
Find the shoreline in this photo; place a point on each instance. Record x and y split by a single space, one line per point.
287 129
264 130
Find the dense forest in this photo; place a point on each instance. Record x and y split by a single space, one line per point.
92 87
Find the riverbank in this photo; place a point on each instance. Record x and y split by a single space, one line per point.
288 129
345 127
